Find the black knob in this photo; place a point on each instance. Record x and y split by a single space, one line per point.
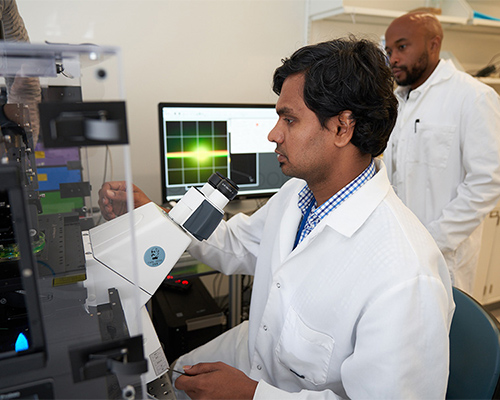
228 188
215 179
224 185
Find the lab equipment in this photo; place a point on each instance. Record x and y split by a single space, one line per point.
73 292
51 345
197 139
186 317
161 240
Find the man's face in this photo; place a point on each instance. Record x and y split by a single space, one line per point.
303 147
408 54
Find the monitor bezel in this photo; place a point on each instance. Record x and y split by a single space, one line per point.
164 190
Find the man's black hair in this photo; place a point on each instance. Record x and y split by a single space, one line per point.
347 74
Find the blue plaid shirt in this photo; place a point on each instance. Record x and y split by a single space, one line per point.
316 214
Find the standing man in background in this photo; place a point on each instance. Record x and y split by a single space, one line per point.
443 156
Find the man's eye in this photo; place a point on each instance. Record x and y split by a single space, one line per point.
288 120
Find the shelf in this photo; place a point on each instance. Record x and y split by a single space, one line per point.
485 22
379 17
357 15
476 25
457 14
490 80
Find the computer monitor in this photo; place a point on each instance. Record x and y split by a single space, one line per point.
197 140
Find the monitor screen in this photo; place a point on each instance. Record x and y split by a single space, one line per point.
197 140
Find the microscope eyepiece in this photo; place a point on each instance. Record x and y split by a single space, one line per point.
228 188
224 185
215 179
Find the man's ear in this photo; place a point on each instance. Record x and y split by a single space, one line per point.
435 44
344 128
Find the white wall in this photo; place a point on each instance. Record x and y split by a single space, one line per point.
176 50
203 51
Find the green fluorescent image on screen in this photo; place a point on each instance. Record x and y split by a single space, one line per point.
197 140
195 150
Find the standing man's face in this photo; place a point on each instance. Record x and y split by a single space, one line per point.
407 49
304 148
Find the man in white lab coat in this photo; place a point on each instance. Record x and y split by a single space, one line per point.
351 296
443 157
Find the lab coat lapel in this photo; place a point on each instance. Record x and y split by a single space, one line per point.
443 72
288 228
346 219
353 213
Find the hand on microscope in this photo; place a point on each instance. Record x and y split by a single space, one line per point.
113 199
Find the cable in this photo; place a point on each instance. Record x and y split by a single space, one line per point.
46 266
492 58
489 68
105 165
486 71
106 155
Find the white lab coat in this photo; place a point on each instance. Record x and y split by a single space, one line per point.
443 159
360 309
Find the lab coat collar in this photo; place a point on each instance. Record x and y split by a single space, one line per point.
353 213
346 219
289 225
444 71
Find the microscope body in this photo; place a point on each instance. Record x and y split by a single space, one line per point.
160 240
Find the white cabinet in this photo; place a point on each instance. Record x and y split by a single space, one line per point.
455 14
494 82
487 283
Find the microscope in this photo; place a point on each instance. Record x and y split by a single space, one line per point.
78 293
160 240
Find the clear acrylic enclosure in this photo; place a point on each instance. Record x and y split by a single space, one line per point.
68 325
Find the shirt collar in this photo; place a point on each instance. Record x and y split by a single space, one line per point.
306 195
442 72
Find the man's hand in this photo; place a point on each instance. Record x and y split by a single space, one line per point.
113 199
215 381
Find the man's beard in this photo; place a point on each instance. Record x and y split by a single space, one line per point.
414 73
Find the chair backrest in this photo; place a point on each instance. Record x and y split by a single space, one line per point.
474 351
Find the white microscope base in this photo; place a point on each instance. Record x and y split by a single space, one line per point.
99 279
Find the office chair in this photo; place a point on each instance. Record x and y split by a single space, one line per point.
474 351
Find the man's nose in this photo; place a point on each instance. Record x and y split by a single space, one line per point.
393 60
274 135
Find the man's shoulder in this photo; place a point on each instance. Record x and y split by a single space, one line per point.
401 225
290 188
399 220
293 185
464 82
